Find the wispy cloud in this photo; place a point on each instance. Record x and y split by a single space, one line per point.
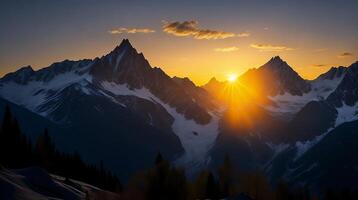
269 47
319 65
266 28
131 30
190 28
243 34
345 54
227 49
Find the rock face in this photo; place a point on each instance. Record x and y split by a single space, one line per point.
124 65
276 77
36 184
333 73
119 109
309 146
116 108
347 91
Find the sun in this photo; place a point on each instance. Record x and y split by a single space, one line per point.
232 78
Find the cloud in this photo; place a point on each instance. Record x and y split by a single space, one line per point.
266 28
319 65
269 47
243 34
190 28
345 54
131 30
226 49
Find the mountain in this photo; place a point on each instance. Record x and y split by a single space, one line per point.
333 73
331 162
118 109
33 123
213 86
292 148
199 94
35 183
322 136
346 92
277 87
275 77
314 119
286 105
327 162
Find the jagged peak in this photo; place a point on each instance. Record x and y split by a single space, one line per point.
276 60
277 64
213 80
353 65
19 76
332 73
124 45
184 81
27 68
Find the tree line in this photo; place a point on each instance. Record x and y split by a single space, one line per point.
162 181
18 151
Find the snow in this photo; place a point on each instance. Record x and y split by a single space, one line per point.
277 148
346 114
118 60
303 147
123 89
36 184
308 169
34 93
290 104
196 146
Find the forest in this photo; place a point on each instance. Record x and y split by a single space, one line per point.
161 182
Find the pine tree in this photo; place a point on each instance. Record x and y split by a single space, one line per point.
211 187
226 178
5 141
45 150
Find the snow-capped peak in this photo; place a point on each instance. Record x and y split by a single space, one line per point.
333 73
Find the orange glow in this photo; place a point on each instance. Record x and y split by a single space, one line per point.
243 101
232 78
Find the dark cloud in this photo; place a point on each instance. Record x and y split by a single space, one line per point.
345 54
190 28
319 65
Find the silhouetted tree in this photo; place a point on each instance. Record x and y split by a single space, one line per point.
212 189
16 151
226 178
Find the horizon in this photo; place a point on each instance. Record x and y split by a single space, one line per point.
228 77
180 100
187 39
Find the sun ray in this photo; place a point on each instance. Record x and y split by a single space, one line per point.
232 78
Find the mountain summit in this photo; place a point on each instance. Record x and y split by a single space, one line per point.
276 77
115 101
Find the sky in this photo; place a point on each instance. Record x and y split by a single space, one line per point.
195 39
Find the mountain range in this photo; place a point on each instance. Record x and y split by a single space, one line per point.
119 109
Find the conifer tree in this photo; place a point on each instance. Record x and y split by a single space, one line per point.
226 178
